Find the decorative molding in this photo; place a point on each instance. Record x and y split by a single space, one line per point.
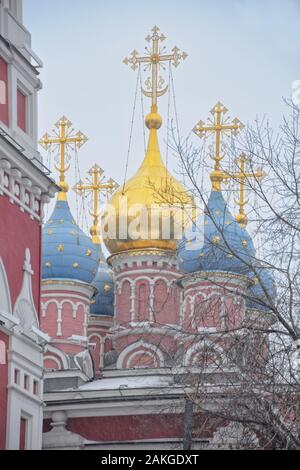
59 353
147 271
81 298
69 286
5 299
24 308
142 353
54 359
145 327
84 362
59 306
59 437
151 281
21 190
215 278
134 258
197 347
140 344
102 340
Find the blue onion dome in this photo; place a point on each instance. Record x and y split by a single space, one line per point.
104 300
67 252
216 242
262 291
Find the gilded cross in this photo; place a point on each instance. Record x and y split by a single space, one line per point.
96 185
153 60
241 177
218 125
63 136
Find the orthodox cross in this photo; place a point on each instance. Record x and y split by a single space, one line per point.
218 125
153 60
64 136
96 186
241 177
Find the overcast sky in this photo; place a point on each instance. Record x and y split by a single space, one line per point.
245 53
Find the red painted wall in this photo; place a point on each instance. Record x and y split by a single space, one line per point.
122 428
3 393
131 428
4 117
21 107
18 232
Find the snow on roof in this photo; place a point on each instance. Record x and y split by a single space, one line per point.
128 382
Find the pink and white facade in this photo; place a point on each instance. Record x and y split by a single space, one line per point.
65 310
165 324
147 306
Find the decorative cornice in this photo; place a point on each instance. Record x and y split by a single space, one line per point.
147 328
261 317
137 258
145 252
214 277
68 285
21 189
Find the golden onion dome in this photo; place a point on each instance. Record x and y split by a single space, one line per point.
152 209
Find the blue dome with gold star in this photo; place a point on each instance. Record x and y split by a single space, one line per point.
216 242
262 292
67 252
104 300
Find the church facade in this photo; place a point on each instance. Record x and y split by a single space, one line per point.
106 352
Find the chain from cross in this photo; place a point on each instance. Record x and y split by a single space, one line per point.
219 125
155 58
241 177
63 137
96 186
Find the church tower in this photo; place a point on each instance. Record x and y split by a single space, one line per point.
69 265
148 211
225 288
25 187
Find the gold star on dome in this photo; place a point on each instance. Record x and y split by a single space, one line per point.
216 240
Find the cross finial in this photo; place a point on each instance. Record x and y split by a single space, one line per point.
95 186
154 60
241 176
63 137
218 125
